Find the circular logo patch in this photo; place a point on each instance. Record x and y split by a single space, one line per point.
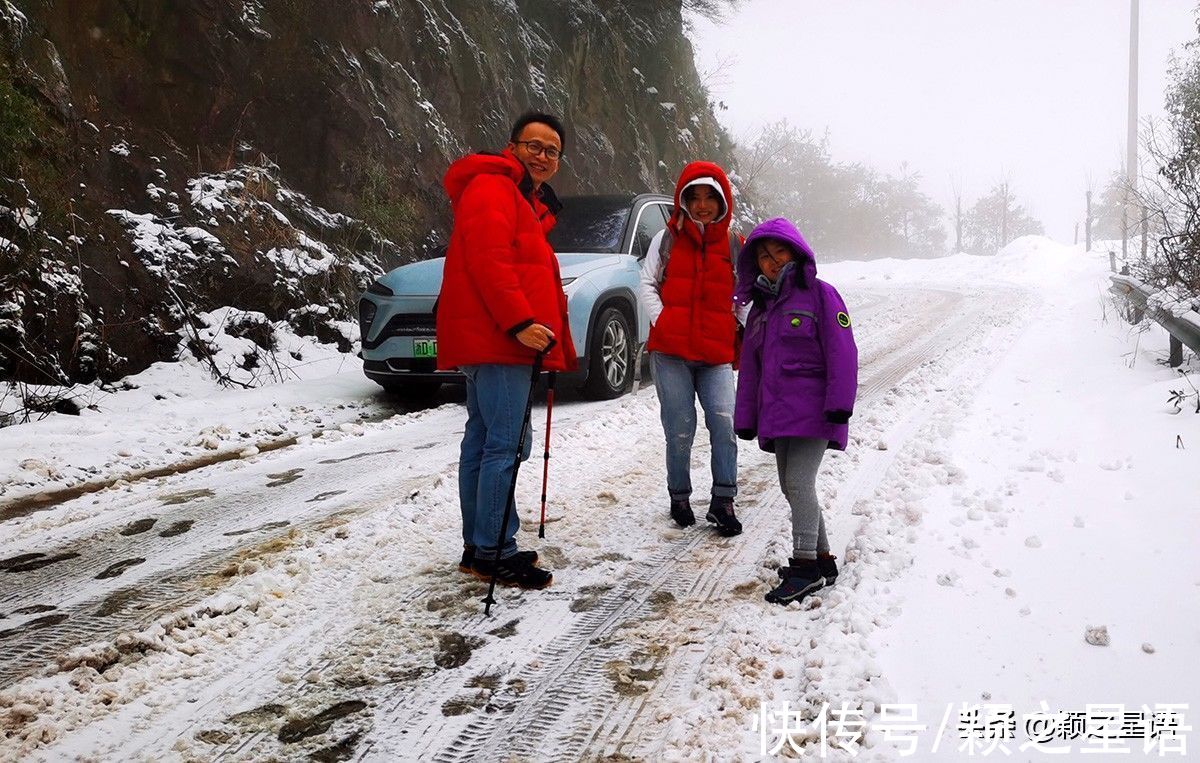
843 320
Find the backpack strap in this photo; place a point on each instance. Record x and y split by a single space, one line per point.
664 252
735 251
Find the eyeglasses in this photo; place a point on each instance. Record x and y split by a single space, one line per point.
537 148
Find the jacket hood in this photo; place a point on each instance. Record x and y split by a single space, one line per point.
703 173
466 169
747 265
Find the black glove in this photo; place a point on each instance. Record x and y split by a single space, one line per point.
838 417
745 434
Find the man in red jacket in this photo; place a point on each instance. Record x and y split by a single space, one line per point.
501 303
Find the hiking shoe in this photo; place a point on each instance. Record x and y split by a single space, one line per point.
720 513
681 512
800 578
515 571
468 558
827 566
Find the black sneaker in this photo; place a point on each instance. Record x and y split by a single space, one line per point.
797 580
681 512
515 571
827 565
720 513
468 558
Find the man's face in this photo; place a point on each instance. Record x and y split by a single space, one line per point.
532 146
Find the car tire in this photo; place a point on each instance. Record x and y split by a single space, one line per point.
412 390
610 356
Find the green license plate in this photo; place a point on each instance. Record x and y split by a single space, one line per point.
424 348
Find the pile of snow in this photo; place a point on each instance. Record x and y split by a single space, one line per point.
165 248
174 412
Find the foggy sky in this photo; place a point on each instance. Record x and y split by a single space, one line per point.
967 89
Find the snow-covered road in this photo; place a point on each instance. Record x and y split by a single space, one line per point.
307 602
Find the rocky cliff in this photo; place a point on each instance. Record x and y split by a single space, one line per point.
160 160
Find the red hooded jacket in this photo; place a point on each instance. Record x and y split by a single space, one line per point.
697 321
501 273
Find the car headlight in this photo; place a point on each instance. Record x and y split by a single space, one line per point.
366 314
568 281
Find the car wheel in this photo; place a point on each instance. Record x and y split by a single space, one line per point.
412 390
610 356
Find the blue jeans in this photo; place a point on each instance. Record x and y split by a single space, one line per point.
496 398
678 383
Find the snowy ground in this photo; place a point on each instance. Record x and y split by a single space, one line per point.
1013 479
174 416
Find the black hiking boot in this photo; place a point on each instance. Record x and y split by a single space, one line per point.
800 578
468 558
516 571
827 565
720 513
681 512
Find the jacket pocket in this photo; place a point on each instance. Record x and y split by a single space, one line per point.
799 325
800 347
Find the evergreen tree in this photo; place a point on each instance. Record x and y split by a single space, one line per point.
1106 210
996 220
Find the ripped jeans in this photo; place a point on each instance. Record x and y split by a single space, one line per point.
678 383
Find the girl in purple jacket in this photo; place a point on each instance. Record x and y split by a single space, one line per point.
796 385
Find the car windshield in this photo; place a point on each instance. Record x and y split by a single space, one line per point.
590 225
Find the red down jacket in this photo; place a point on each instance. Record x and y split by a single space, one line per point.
500 272
697 321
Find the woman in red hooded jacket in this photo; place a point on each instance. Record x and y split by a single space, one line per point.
687 291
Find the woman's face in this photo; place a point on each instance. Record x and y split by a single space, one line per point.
772 256
703 203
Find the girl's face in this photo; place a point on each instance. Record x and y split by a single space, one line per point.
702 203
772 256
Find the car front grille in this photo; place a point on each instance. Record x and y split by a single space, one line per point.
404 324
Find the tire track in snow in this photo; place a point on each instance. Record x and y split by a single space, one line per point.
227 521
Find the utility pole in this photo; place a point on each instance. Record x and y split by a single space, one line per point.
1004 217
1131 165
1088 224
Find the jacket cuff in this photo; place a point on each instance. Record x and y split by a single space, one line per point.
745 434
838 417
517 329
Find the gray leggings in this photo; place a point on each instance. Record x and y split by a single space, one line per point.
798 459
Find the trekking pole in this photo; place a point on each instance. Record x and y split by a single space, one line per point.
546 455
489 600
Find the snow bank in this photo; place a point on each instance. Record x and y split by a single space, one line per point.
1031 261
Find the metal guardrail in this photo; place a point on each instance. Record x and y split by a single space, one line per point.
1181 320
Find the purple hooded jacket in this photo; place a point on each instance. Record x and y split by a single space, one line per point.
798 375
